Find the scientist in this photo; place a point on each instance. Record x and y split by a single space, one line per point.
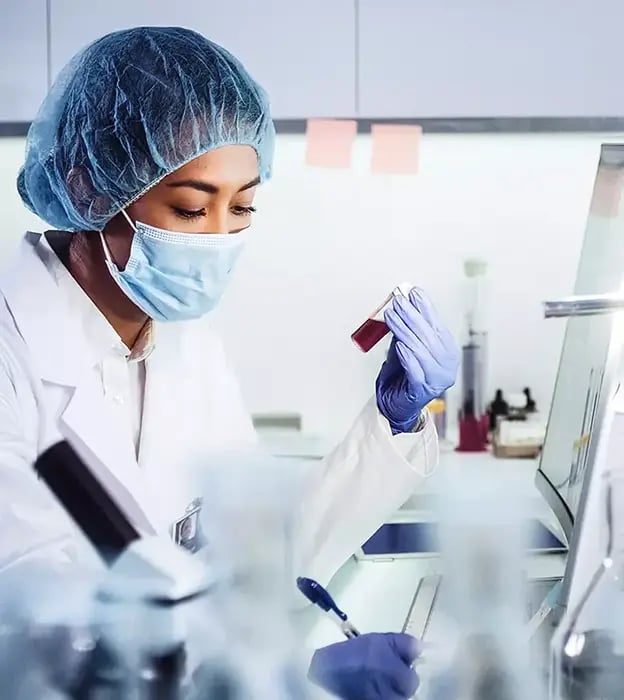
145 158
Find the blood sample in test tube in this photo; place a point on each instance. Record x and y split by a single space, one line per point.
374 328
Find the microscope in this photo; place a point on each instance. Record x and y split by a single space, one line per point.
142 605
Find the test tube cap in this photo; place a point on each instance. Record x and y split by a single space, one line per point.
403 289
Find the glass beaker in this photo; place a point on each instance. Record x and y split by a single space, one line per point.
374 328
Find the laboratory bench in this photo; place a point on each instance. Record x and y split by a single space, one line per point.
377 595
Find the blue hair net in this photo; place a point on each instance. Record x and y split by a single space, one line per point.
128 110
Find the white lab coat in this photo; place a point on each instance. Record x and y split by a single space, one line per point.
192 407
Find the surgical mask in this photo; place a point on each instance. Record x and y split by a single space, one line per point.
175 276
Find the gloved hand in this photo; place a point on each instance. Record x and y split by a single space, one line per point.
422 362
369 667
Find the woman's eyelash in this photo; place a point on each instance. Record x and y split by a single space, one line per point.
189 213
243 211
196 213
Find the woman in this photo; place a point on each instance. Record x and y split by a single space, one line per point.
145 158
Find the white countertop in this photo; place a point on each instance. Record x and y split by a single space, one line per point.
377 594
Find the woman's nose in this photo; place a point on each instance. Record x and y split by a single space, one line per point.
218 220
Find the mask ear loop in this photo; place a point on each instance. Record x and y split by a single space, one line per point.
129 220
105 248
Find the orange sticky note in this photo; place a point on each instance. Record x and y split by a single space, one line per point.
395 148
607 192
330 142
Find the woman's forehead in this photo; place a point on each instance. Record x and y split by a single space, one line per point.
236 164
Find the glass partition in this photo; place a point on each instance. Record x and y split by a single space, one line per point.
586 370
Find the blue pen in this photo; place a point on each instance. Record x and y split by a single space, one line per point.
317 595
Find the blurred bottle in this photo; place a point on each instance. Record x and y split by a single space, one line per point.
483 650
588 647
45 632
247 520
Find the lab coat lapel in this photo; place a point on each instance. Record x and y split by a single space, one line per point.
166 437
192 412
90 425
89 418
70 393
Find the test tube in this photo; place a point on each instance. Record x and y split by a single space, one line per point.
374 328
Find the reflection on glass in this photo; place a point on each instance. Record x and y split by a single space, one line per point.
584 377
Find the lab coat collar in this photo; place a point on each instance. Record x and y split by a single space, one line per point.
58 347
102 338
59 351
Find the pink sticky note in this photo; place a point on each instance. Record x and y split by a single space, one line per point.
395 148
330 142
607 192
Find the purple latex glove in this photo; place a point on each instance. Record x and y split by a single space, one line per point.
368 667
422 361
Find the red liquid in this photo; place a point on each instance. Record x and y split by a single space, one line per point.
369 334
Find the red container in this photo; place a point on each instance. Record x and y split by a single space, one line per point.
374 328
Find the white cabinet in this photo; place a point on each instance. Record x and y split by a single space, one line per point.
303 53
490 58
367 58
23 59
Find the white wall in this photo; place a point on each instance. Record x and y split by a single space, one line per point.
15 217
328 245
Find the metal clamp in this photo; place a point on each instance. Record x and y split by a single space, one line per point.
590 305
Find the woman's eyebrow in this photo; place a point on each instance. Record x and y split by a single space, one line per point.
209 187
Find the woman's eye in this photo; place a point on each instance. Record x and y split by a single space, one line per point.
189 213
243 211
